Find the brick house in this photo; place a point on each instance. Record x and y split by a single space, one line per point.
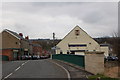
13 45
37 49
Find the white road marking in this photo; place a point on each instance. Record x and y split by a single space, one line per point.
26 61
8 75
23 64
15 70
68 74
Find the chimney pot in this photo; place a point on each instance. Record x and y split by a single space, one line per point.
27 37
21 34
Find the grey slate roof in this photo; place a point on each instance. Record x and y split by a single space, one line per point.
14 33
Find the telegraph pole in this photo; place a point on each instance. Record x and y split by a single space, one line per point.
54 42
53 50
53 39
53 36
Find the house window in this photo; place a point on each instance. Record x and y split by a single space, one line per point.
16 42
72 52
77 45
77 51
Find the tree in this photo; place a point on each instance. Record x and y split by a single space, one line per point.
116 43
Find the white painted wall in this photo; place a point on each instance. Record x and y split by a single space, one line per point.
105 49
83 38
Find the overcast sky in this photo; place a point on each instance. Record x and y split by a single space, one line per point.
41 19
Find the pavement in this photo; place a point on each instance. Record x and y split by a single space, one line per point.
74 70
41 69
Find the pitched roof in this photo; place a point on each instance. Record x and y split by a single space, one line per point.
76 27
14 34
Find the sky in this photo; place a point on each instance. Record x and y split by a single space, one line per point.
41 19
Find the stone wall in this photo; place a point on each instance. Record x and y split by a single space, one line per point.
94 62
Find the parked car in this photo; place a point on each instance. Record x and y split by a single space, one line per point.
43 57
111 58
23 57
26 57
38 57
29 57
34 57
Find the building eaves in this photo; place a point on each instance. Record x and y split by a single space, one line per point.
14 34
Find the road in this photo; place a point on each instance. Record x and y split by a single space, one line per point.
39 69
33 69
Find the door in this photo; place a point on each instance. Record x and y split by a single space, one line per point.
15 55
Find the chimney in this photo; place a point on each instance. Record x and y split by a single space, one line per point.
27 37
21 34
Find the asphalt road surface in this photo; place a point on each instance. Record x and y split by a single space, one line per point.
41 69
33 69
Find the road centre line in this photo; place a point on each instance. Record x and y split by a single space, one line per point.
68 74
15 70
26 61
22 64
8 76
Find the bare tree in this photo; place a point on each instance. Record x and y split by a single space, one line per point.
115 43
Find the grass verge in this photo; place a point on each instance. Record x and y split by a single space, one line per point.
102 77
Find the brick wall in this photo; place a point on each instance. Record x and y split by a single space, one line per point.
7 52
37 50
9 41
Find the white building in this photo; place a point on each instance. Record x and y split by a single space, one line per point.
77 42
